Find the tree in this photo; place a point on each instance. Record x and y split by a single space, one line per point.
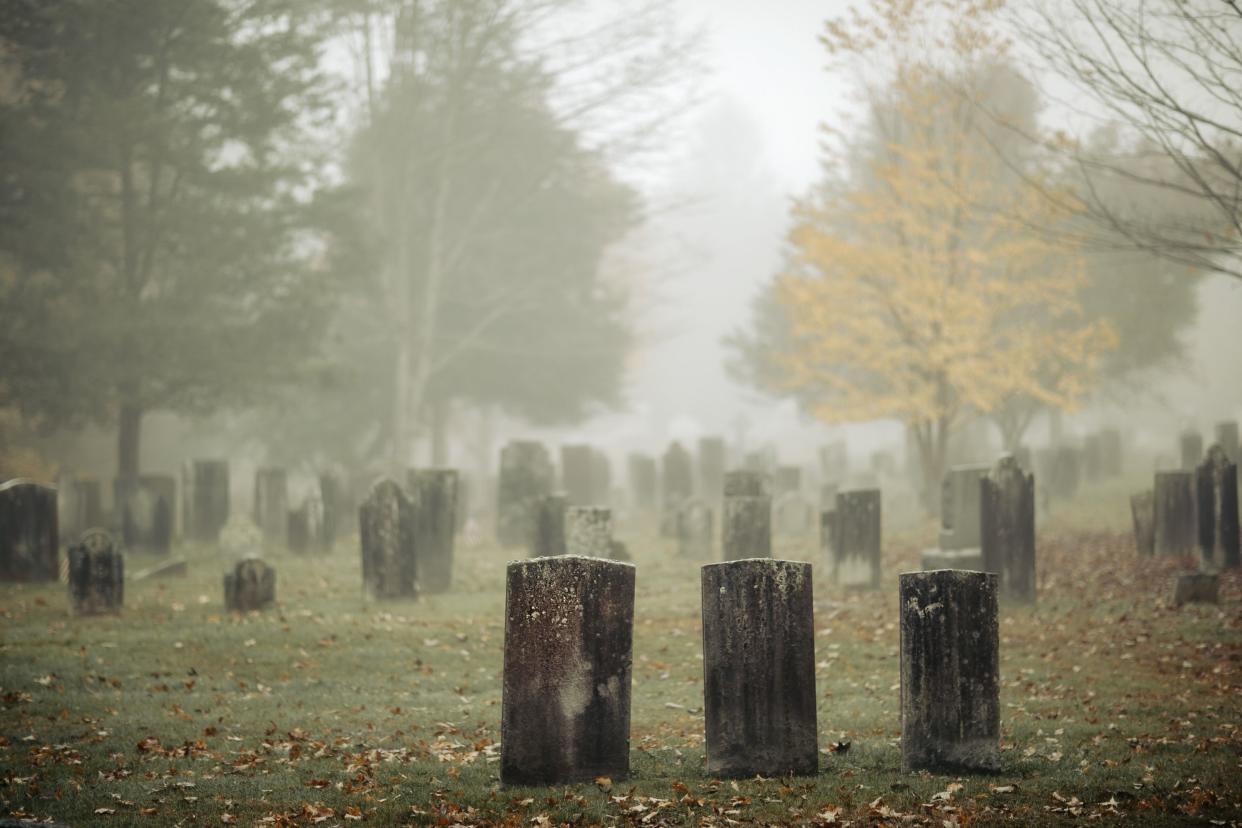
159 225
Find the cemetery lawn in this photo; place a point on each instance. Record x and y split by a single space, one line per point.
337 710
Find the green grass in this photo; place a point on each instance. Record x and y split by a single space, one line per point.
334 707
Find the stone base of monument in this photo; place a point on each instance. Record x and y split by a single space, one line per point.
967 559
1196 588
172 569
250 586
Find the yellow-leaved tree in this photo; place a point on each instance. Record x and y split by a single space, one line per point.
927 282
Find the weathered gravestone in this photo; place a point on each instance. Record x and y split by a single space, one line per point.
29 541
96 574
588 531
1110 452
1007 522
793 516
1143 515
1064 472
271 504
209 499
386 530
565 711
1190 443
950 672
145 515
695 527
787 479
1176 518
644 481
526 474
548 532
746 526
759 669
251 586
1227 439
677 479
577 479
712 460
1217 490
960 522
1196 588
435 525
855 540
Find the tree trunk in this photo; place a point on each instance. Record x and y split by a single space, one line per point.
129 435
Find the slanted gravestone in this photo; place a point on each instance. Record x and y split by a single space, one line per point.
950 672
386 530
677 479
548 533
1196 588
786 479
332 496
588 531
576 474
526 474
695 527
435 526
298 529
271 504
712 460
1110 452
1227 439
1007 521
855 540
1217 490
29 541
759 669
209 509
1143 515
250 587
1176 518
644 481
96 574
746 527
1190 443
565 710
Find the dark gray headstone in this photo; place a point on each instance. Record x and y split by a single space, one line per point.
950 672
1217 490
96 575
746 526
1143 515
1007 511
548 534
386 530
959 507
759 669
565 714
209 499
644 481
1227 439
712 461
577 480
250 586
1196 588
29 541
434 495
588 531
1176 518
856 539
1190 443
271 504
695 530
526 474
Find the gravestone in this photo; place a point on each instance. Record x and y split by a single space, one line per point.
209 499
828 496
759 669
298 529
332 496
712 461
1227 439
271 504
1196 588
601 478
565 709
1007 523
96 575
386 530
250 587
677 478
950 672
1143 515
644 481
548 535
1190 443
1216 487
746 526
834 462
588 531
793 516
827 531
435 525
145 513
576 475
29 541
856 540
695 527
1176 518
1111 458
787 479
526 474
960 526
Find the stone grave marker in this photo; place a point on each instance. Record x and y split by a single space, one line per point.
644 481
548 536
209 499
950 672
576 475
145 513
746 527
1065 472
1196 588
759 669
588 531
1217 491
695 529
1227 439
712 461
960 521
271 504
250 587
386 531
526 474
96 575
435 526
565 709
29 539
678 485
1176 518
856 540
1007 512
1190 443
1143 515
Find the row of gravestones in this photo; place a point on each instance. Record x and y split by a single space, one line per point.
1190 445
407 534
568 655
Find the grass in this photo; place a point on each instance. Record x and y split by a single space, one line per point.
335 709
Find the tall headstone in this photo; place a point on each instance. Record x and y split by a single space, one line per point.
548 531
1227 439
1176 518
96 575
565 710
1217 491
950 672
1143 515
209 509
746 527
959 510
435 525
576 474
588 531
251 586
695 529
855 539
759 669
644 481
677 480
386 529
29 541
1007 512
526 474
712 459
271 504
1190 442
